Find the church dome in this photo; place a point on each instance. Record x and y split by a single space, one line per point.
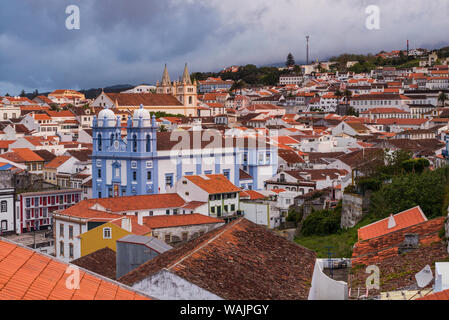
141 112
106 113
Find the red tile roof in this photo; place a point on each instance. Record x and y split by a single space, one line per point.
213 183
442 295
57 162
157 222
239 261
22 155
29 275
403 220
386 246
118 205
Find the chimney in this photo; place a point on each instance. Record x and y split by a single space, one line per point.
391 222
126 224
139 218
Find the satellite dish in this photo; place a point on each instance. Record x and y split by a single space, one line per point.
424 277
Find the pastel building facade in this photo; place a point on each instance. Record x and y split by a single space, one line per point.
146 161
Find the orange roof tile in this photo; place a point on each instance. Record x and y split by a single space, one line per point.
156 222
213 183
57 162
29 275
403 220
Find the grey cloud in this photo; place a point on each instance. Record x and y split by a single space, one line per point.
129 41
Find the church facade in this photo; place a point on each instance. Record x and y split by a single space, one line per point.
146 161
178 97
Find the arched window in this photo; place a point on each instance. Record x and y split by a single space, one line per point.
190 100
148 143
134 143
100 143
112 139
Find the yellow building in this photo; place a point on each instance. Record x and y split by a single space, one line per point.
108 233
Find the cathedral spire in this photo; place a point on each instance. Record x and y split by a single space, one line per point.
165 77
186 76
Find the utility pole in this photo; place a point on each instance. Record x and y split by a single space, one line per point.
307 51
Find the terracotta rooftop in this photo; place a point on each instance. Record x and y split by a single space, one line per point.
29 275
401 220
213 183
442 295
377 249
101 262
167 221
397 272
22 155
123 204
146 99
57 162
239 261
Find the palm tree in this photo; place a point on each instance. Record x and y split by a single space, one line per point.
338 94
347 94
442 98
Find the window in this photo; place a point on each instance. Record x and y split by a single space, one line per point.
167 238
61 248
28 214
4 225
134 176
99 173
149 175
134 143
71 250
175 211
44 212
107 233
100 146
4 206
227 174
27 202
148 144
232 207
169 180
151 213
185 236
167 211
61 230
70 232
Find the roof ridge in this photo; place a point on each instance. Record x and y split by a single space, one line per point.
203 244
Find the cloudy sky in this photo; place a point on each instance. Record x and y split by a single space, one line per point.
128 42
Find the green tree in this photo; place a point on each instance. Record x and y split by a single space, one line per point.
22 93
290 60
442 97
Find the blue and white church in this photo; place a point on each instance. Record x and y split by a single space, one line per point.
145 161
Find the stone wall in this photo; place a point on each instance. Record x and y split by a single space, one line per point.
354 207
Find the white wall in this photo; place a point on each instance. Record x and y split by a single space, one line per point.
325 288
165 285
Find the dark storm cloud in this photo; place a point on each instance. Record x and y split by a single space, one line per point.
129 41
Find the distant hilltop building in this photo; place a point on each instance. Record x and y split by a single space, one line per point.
215 84
178 97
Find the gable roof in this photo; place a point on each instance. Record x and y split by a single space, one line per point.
22 155
123 204
377 249
57 162
180 220
146 99
213 183
30 275
263 265
401 220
